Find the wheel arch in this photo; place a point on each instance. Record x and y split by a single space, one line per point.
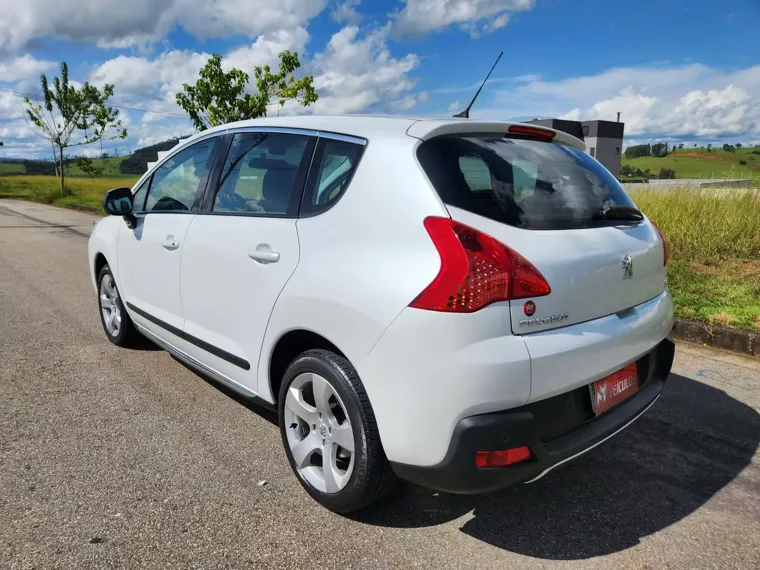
287 348
99 262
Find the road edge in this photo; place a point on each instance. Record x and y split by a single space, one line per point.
717 336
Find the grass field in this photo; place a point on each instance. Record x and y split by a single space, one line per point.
11 168
698 163
47 189
714 271
111 168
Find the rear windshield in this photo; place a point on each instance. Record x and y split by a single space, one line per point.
524 183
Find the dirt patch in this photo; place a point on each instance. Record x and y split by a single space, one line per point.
705 155
725 319
744 270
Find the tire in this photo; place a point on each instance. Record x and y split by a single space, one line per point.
357 482
124 334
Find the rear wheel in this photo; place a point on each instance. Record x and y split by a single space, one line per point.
330 435
113 316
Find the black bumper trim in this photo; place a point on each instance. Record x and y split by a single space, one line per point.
457 472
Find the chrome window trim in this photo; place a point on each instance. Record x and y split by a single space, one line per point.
232 130
177 149
296 131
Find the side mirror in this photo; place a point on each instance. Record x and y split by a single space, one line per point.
118 202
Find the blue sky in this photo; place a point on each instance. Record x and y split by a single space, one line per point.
679 70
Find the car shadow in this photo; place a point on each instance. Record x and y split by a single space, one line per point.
259 407
143 343
693 442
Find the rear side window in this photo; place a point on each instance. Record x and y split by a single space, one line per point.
260 173
336 162
524 183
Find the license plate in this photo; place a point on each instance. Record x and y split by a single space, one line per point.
613 389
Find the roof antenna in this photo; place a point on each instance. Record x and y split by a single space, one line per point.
466 113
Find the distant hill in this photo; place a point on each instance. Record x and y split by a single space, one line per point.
701 162
137 162
114 166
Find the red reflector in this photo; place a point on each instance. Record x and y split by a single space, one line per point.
542 134
665 249
502 458
476 270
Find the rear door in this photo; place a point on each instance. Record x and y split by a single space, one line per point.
242 248
546 201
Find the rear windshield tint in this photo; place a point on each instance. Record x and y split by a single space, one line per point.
524 183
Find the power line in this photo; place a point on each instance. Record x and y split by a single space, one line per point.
116 106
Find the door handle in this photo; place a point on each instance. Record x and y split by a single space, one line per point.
170 243
264 256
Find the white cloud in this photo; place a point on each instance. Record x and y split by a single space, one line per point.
24 67
346 11
455 107
11 106
691 100
116 23
265 50
474 16
354 73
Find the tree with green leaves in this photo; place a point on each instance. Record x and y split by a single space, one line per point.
68 116
88 166
220 97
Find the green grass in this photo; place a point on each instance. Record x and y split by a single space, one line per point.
11 168
714 240
727 293
84 192
698 163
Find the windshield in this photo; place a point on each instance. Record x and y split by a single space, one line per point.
524 183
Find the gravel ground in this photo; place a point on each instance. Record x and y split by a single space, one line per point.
126 459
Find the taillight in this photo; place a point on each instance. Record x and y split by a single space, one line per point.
476 270
665 250
532 132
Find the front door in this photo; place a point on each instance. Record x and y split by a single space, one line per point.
149 255
241 252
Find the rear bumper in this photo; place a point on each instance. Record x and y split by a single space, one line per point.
457 473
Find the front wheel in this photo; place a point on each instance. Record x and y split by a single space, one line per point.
330 435
113 316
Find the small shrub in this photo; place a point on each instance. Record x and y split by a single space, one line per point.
743 162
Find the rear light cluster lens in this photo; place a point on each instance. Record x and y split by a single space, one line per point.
665 249
502 457
476 270
532 132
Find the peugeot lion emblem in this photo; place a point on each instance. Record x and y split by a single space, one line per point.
627 267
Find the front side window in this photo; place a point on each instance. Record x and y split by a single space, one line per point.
336 167
138 198
260 173
177 182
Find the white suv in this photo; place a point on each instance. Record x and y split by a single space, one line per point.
462 304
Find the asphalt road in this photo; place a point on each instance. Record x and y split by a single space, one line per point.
126 459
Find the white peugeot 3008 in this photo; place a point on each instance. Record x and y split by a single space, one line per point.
462 304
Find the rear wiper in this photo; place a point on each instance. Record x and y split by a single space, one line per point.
619 213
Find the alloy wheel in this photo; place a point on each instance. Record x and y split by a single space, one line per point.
109 305
319 433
